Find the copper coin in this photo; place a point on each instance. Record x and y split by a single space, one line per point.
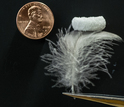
35 20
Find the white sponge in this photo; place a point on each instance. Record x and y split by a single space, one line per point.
89 23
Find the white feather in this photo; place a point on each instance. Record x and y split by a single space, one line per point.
77 57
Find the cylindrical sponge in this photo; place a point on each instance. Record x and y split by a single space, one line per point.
89 23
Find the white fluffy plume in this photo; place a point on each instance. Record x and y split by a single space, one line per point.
77 56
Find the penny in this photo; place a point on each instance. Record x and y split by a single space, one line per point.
35 20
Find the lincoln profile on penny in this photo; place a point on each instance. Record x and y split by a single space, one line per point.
35 26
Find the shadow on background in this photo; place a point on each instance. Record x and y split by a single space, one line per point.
18 68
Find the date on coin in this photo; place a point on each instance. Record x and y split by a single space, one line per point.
35 20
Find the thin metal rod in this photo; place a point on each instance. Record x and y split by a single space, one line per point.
113 100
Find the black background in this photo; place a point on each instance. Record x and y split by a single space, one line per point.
22 79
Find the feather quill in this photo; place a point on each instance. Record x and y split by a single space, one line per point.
77 56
